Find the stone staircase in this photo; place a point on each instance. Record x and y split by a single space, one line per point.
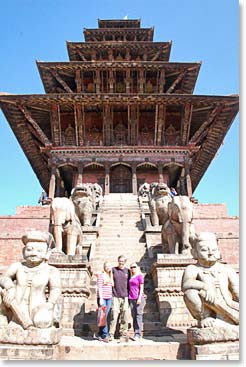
121 233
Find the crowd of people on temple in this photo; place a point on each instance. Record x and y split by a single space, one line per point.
119 288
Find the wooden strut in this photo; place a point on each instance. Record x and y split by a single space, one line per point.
216 111
61 81
42 137
175 83
80 54
186 121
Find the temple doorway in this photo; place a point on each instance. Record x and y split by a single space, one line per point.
120 179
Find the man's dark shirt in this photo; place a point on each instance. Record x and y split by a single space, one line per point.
121 278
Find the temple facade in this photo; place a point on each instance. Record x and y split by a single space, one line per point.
119 114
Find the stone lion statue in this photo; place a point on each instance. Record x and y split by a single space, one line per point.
82 197
158 203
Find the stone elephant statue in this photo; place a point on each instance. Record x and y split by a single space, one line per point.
66 226
158 203
82 197
178 231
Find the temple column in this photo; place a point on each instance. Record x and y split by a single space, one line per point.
182 185
98 81
141 81
78 81
187 178
165 175
80 174
55 124
52 185
111 81
160 171
128 80
107 180
134 180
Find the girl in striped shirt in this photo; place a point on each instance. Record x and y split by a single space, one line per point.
105 283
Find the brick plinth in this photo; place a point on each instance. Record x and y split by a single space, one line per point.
167 274
75 279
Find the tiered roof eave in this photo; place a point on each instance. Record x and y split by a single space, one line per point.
49 80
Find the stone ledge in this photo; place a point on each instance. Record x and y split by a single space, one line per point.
35 336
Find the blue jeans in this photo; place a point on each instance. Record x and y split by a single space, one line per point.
103 330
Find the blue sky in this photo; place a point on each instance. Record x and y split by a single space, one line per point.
200 30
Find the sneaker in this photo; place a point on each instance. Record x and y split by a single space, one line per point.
106 339
97 337
136 338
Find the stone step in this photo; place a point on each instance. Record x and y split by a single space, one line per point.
171 347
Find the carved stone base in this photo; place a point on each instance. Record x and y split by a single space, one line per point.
221 332
35 336
217 343
27 352
167 273
75 279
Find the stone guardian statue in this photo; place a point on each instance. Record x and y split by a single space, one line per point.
24 303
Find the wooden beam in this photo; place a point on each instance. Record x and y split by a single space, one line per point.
61 81
175 83
78 81
55 124
216 111
79 122
161 80
160 123
42 137
132 124
185 123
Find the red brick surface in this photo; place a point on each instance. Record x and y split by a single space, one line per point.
12 228
207 217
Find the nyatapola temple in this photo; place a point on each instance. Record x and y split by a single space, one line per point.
119 143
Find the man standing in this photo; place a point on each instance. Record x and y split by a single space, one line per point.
121 277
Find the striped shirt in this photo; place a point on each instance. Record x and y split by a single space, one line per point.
103 289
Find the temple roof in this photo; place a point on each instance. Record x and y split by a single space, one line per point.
119 23
29 118
120 34
76 50
66 70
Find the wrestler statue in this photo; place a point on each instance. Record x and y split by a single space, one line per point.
23 300
211 289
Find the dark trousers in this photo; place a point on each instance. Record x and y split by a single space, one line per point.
137 315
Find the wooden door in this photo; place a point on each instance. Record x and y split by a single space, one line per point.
120 179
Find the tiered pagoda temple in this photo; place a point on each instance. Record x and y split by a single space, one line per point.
119 113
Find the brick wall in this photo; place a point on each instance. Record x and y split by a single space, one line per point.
12 228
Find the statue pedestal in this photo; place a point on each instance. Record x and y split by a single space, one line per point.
35 336
75 278
167 274
216 343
